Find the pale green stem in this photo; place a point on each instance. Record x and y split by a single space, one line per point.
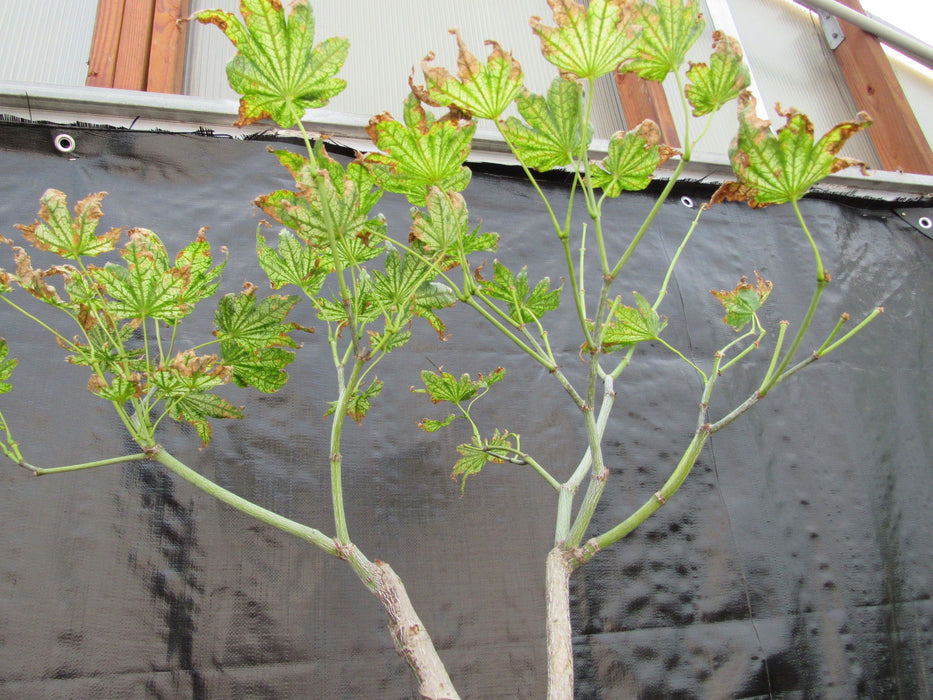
673 483
336 458
773 379
37 320
681 356
309 534
522 458
686 107
40 471
605 409
680 249
752 346
564 513
826 349
656 501
782 331
779 377
535 355
579 293
650 218
820 272
531 177
594 490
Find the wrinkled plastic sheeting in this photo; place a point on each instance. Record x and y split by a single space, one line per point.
795 562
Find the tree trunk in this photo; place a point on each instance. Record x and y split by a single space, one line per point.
559 636
409 634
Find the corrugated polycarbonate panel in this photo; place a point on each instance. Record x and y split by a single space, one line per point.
46 41
917 83
784 44
389 39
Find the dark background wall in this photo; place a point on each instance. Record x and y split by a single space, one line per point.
796 561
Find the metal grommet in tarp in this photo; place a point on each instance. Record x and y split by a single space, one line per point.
920 218
64 143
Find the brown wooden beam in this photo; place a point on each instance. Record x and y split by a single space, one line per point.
896 134
167 48
105 45
645 99
133 57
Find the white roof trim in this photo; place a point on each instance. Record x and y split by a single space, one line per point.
147 111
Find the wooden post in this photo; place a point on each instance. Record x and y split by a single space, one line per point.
896 134
645 99
106 43
167 48
138 45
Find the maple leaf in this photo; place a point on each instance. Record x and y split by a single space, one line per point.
630 325
588 41
277 70
669 29
67 236
722 80
774 169
742 302
553 135
421 153
480 90
631 161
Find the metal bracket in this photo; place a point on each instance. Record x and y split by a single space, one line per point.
920 218
832 30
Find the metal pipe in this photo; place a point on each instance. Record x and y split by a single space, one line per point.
895 38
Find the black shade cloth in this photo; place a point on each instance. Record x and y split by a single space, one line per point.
796 561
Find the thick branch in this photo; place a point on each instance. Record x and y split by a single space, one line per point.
411 638
559 566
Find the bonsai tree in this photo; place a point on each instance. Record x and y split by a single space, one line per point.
372 288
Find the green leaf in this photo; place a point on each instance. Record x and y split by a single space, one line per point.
669 29
742 302
478 453
429 425
357 237
721 81
778 169
262 369
7 365
148 285
277 69
388 341
588 42
196 409
421 153
444 225
203 280
394 289
70 237
443 386
251 325
483 91
120 389
189 373
632 159
360 402
293 263
525 306
106 349
629 325
253 337
552 136
430 296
